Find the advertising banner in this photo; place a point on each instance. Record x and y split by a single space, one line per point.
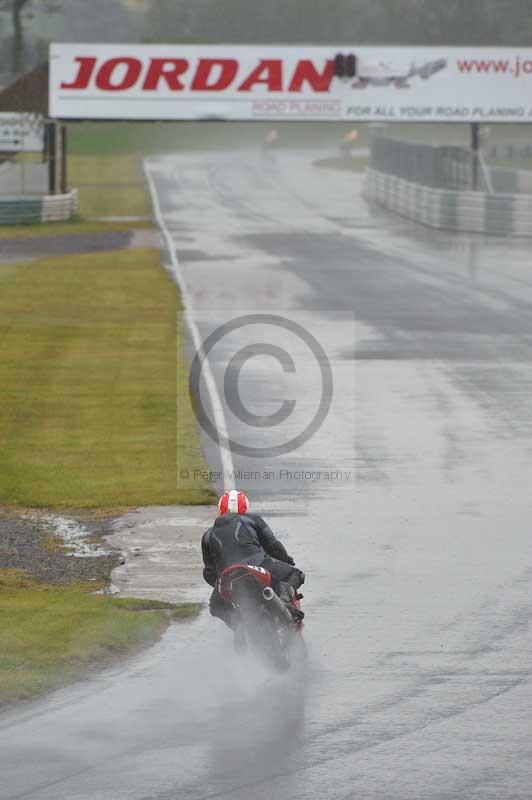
262 82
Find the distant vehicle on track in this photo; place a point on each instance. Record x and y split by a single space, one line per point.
348 142
271 138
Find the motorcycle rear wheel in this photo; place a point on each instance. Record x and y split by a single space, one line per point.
278 644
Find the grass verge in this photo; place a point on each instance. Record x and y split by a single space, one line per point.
110 184
51 635
106 167
75 226
95 410
351 164
147 138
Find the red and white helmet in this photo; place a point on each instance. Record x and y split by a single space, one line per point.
233 502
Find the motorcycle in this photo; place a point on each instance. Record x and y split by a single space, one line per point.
263 619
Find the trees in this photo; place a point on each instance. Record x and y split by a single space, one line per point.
475 22
336 22
16 9
255 21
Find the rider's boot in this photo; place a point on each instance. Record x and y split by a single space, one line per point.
287 592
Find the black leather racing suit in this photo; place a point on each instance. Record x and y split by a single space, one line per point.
244 539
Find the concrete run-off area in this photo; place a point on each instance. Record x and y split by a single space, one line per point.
161 549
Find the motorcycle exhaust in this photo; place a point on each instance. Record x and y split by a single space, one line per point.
278 606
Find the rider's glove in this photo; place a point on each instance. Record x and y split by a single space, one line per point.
290 561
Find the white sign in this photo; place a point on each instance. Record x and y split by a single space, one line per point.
256 82
21 132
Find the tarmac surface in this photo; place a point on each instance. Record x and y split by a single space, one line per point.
409 509
30 247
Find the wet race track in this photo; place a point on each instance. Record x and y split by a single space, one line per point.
415 536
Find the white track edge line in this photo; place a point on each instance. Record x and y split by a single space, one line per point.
226 456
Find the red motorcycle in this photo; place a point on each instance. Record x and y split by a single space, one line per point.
264 620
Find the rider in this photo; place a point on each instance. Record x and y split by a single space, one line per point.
238 537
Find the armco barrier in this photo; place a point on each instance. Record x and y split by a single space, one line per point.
60 206
41 208
476 212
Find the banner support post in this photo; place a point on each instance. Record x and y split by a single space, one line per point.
64 179
52 157
475 147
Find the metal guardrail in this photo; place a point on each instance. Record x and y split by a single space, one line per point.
41 208
466 211
449 187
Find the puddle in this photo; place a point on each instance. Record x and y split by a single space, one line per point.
76 537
